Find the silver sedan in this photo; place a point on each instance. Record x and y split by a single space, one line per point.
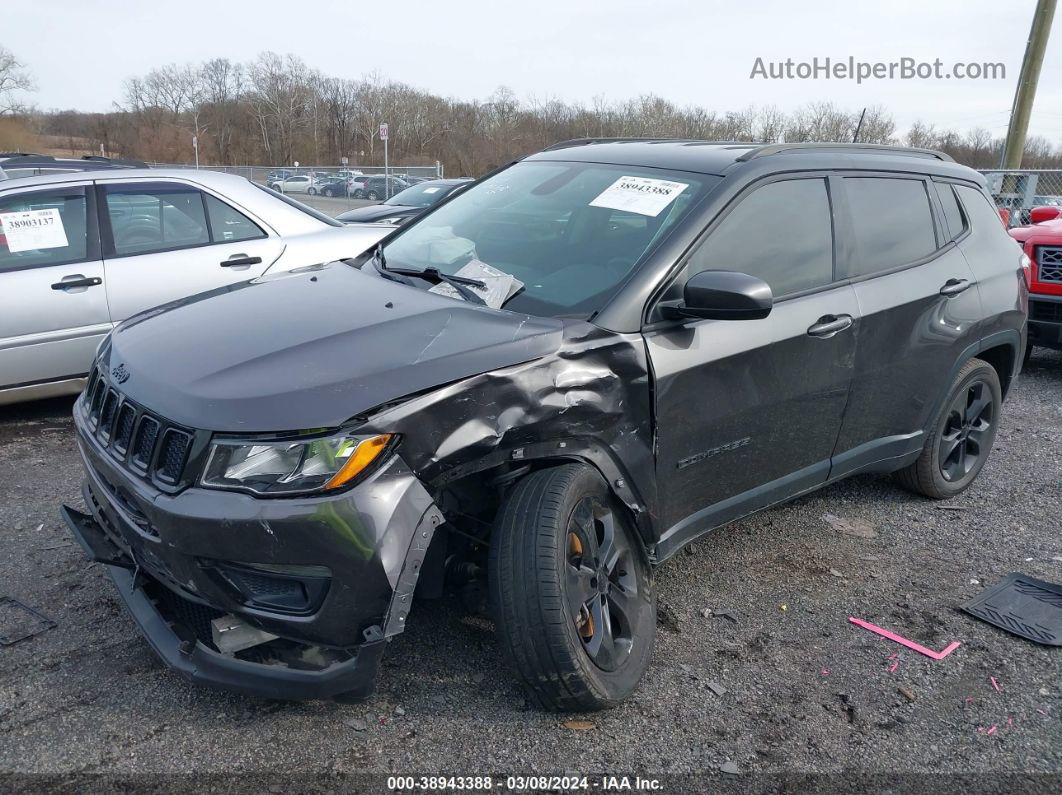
80 252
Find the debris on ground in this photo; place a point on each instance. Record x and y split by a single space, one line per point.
730 615
19 621
667 617
936 655
903 691
850 527
1024 606
836 573
995 684
730 768
716 688
357 724
578 725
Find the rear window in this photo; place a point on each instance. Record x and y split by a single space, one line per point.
893 223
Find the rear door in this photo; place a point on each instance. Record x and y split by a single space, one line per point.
53 302
168 240
747 412
920 307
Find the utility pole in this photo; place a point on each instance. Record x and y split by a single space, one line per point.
1026 91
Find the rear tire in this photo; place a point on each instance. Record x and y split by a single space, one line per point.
373 195
962 436
571 590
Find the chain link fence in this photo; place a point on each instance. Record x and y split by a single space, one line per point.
330 189
1019 191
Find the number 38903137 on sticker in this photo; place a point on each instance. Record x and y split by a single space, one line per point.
30 230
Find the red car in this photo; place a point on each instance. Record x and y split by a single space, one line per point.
1042 242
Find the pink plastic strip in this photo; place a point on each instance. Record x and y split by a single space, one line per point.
936 655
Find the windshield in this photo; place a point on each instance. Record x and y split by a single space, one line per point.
571 232
423 195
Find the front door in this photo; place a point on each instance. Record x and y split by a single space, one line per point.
747 412
168 240
53 301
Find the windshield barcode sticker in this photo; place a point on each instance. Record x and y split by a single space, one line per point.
640 195
32 230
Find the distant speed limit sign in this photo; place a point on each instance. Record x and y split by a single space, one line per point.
383 131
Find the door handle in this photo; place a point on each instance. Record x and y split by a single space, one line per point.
240 259
80 281
828 325
955 286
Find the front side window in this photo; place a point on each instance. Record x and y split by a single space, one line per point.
892 221
781 233
43 228
570 232
155 218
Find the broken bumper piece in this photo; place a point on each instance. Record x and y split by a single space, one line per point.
179 630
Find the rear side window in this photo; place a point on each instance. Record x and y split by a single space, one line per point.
952 212
229 225
43 228
781 233
981 212
893 223
145 219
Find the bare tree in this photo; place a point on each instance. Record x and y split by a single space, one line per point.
14 78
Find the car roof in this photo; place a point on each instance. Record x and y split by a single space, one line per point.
217 179
723 157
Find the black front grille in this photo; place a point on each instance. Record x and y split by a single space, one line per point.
1045 311
146 444
175 446
1049 259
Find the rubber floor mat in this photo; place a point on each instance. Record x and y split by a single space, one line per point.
1023 605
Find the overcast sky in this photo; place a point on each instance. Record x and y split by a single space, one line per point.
699 52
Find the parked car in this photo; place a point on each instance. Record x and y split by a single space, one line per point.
333 186
554 381
405 204
1041 241
18 164
376 187
297 183
1038 201
80 252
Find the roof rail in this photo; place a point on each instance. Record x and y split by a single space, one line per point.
84 163
883 149
656 140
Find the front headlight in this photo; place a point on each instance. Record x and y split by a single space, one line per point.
287 468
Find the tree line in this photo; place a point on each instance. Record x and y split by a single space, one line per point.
276 110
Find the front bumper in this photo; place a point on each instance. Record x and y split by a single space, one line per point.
1045 320
172 557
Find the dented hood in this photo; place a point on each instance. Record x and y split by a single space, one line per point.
310 349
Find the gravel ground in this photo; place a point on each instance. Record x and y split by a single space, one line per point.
800 691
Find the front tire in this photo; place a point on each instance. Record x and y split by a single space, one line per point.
373 195
962 437
571 590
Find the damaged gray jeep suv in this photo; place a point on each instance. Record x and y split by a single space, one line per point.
535 393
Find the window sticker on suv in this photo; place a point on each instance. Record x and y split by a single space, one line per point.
641 195
32 230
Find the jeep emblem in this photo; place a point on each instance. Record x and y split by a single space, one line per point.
121 375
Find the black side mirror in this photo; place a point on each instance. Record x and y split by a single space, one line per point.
723 295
